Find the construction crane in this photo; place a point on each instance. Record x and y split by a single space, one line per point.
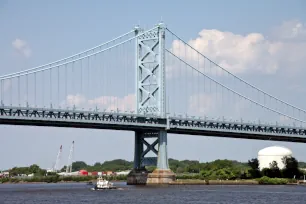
70 158
58 160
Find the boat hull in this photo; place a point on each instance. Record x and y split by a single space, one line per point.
106 188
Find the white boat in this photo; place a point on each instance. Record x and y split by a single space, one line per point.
103 184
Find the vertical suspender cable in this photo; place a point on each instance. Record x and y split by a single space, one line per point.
35 90
198 84
58 87
19 90
126 63
99 76
173 85
119 66
186 82
103 80
11 91
93 74
50 88
118 50
88 90
73 78
66 97
27 91
43 87
81 80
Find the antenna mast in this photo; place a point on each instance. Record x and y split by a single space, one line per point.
70 158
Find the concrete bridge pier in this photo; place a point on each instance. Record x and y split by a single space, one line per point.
162 174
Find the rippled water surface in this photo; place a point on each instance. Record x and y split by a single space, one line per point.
81 193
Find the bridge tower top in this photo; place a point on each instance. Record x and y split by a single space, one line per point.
150 71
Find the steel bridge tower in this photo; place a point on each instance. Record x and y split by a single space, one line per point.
150 100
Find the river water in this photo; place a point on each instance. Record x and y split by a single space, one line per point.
81 193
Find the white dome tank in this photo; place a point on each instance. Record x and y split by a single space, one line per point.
270 154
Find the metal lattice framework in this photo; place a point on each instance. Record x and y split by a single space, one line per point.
150 72
143 147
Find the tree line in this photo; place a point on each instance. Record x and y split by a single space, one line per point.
218 169
33 169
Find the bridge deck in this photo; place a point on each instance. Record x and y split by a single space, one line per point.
131 122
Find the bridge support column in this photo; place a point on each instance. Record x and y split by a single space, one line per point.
162 174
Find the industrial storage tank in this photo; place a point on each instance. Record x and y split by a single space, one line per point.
270 154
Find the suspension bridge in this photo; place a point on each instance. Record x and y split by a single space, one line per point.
151 82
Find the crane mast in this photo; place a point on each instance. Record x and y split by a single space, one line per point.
58 159
70 158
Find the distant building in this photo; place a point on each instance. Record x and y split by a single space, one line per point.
83 173
274 153
123 172
94 173
76 173
107 173
4 174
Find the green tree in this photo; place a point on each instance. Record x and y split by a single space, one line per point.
64 169
291 167
302 165
34 169
179 170
97 164
274 170
78 165
266 172
254 165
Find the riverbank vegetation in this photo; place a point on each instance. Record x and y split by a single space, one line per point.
57 179
186 169
274 181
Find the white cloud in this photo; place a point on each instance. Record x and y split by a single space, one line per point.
290 30
126 103
76 100
22 47
253 52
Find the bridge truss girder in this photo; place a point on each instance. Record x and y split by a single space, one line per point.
130 121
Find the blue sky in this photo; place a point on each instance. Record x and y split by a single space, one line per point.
55 29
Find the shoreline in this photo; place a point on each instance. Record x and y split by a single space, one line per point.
41 182
213 182
176 182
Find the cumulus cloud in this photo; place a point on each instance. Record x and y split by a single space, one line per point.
253 52
290 30
22 47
